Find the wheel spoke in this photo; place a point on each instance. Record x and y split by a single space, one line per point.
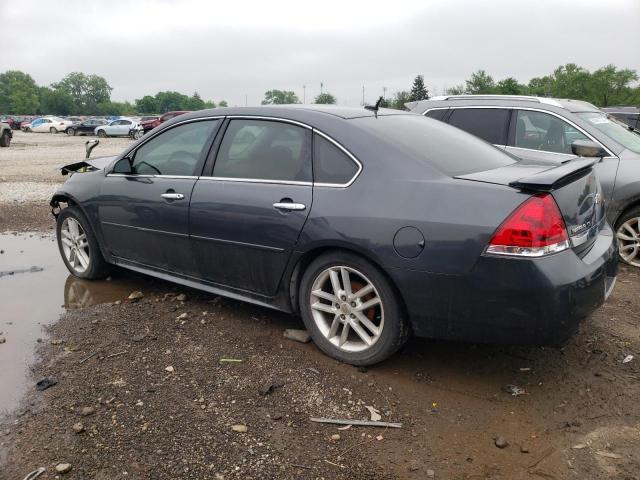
630 229
72 258
325 295
622 236
66 233
73 228
323 307
364 336
368 304
364 320
84 258
67 242
344 335
335 281
334 326
364 291
346 281
630 246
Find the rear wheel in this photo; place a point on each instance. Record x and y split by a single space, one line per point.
53 130
628 236
5 139
351 310
78 245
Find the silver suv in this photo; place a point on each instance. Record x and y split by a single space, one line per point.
537 129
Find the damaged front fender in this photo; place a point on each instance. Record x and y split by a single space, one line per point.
87 165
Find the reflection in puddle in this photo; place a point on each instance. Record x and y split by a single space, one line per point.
35 288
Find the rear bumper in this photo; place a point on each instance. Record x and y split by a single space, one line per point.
518 301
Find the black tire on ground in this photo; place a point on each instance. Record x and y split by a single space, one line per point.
98 267
102 134
631 213
5 139
53 130
395 331
71 132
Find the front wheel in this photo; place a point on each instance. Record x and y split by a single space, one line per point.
102 134
71 132
78 245
53 130
628 236
351 309
5 139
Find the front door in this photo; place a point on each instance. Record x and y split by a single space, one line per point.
246 217
144 201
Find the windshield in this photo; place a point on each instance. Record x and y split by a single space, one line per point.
613 129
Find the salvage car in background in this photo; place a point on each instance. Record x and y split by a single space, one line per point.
123 127
47 125
5 134
148 125
628 115
88 127
540 129
369 224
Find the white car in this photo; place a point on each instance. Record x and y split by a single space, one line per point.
123 127
48 124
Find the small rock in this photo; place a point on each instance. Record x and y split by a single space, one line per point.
501 442
46 383
239 428
135 296
138 338
181 298
117 302
57 342
269 387
86 411
276 416
78 427
524 448
335 437
3 340
169 369
301 336
414 467
63 468
182 316
431 474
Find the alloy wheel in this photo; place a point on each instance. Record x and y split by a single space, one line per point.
347 308
628 236
75 245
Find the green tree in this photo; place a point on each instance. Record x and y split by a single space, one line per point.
480 82
418 90
223 103
510 86
194 102
279 97
18 93
540 86
325 98
146 104
170 101
570 81
87 91
55 102
455 90
398 100
610 86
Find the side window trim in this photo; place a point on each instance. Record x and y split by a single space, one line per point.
132 151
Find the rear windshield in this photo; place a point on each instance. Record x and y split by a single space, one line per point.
447 149
612 128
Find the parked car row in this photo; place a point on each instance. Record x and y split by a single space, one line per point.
546 130
371 224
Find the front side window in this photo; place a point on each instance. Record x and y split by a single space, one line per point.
490 124
541 131
613 129
264 150
174 152
330 164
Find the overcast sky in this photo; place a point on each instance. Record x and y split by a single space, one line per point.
232 49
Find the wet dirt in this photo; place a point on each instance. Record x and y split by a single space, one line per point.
35 288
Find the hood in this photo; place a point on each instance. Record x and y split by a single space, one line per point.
87 165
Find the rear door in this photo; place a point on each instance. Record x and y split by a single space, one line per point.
490 124
144 209
247 214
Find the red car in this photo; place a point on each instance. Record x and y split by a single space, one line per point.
151 124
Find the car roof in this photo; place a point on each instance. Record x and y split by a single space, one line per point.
524 101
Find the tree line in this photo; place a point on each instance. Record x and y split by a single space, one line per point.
82 94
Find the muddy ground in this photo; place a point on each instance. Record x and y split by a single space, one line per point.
579 416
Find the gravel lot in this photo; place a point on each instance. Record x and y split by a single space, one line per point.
30 167
576 417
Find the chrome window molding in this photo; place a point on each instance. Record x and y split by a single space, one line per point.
255 180
135 175
566 120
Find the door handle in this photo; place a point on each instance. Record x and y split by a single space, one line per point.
172 196
289 206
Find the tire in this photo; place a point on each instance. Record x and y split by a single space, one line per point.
326 321
628 236
5 139
71 132
91 264
53 130
102 134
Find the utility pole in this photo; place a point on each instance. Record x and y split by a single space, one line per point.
363 95
321 85
384 93
304 94
246 100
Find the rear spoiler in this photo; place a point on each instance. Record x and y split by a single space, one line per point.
555 177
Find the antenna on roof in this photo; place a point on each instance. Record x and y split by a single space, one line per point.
376 107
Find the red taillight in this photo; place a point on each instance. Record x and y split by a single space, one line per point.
534 229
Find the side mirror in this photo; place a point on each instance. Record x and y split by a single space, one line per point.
587 148
123 166
90 145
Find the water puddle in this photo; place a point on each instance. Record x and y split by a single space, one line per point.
35 288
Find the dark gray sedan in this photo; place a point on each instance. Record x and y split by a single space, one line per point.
370 225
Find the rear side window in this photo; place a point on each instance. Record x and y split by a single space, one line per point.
330 164
264 150
438 114
490 124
